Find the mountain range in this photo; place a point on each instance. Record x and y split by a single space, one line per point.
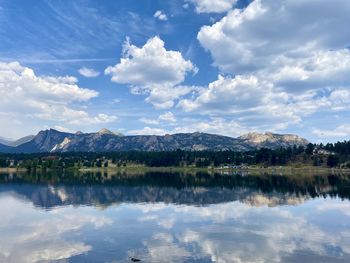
15 143
106 141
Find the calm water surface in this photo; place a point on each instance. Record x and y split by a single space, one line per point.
165 217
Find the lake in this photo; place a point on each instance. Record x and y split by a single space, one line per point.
173 217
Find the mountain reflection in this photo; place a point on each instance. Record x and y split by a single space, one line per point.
173 217
51 189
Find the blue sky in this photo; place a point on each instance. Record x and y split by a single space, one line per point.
156 67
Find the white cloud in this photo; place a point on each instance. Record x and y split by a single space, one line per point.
167 117
26 96
83 118
154 71
149 121
164 97
267 31
342 131
18 80
160 15
148 131
214 125
71 117
255 103
340 99
62 129
151 65
322 69
116 101
88 72
246 98
210 6
241 92
279 63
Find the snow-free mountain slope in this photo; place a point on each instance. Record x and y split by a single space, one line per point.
105 141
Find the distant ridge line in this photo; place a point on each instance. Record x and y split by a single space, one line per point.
52 140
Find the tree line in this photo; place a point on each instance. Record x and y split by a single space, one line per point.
330 155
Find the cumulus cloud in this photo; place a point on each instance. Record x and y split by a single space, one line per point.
88 72
26 96
257 103
244 97
279 64
210 6
19 80
154 71
234 94
150 65
160 15
269 30
323 69
163 97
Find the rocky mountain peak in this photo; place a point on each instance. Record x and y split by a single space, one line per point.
256 137
105 131
273 140
106 140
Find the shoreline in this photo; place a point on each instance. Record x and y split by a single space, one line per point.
273 170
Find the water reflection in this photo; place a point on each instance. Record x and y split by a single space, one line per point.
162 217
29 235
48 190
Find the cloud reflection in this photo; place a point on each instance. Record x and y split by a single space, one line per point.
237 232
31 235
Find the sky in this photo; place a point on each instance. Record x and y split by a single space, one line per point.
155 67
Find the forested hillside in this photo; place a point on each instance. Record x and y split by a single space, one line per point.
329 155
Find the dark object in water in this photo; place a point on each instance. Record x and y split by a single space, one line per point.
135 260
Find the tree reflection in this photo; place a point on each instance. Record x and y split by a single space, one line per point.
51 189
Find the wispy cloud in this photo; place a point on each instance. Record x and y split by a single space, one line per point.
54 61
88 72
